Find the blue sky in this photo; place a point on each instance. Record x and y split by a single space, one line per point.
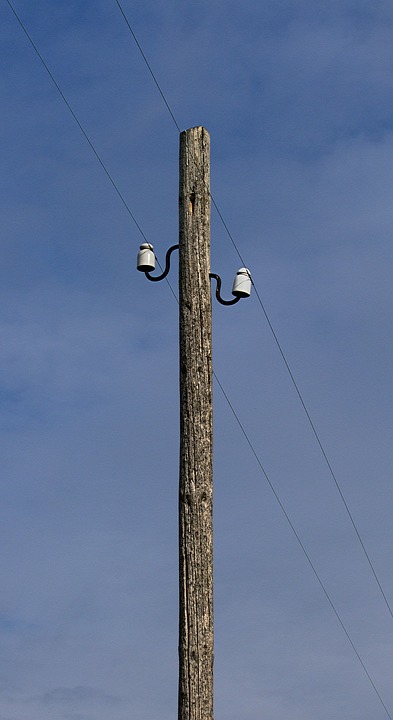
297 99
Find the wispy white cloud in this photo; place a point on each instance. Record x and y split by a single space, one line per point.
78 695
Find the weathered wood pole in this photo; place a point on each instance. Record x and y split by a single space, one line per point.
196 432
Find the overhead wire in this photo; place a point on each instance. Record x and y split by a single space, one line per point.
83 131
147 63
81 128
301 544
278 344
215 375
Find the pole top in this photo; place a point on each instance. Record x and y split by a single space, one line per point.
198 129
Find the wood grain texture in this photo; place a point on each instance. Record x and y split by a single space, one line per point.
196 432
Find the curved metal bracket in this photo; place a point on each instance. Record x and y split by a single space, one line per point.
218 288
167 266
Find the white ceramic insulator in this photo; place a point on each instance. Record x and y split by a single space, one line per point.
242 283
146 258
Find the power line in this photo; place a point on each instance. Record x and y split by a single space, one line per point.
83 131
215 375
323 451
300 542
81 128
147 64
279 346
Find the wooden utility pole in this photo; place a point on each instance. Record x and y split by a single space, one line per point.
196 641
196 432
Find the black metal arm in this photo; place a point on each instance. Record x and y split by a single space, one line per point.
167 266
218 288
217 278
